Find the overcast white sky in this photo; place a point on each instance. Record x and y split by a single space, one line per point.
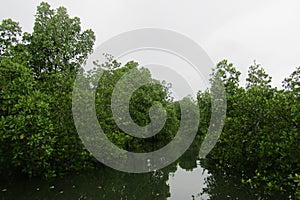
240 31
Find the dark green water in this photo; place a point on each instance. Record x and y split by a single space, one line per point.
183 180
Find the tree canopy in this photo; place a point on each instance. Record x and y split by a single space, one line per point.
260 139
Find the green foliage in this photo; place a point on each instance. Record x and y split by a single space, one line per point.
258 77
26 137
37 76
57 43
9 33
57 49
261 134
292 83
139 106
229 75
38 136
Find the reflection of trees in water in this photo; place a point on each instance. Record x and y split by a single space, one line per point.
188 161
106 183
111 184
221 184
227 185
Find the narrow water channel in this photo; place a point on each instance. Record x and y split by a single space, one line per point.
184 180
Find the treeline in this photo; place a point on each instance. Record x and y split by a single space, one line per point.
38 136
260 139
37 72
37 132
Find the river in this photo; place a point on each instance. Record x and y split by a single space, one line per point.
185 179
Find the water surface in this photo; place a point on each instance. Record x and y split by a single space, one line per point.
184 180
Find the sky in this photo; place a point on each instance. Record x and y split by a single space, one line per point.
239 31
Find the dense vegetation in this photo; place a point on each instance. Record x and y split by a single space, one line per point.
37 133
260 139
